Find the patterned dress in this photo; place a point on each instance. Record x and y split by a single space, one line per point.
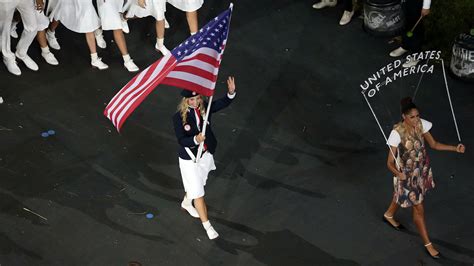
414 162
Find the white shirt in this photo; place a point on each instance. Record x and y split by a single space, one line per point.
394 138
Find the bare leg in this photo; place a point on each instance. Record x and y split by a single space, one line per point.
192 21
53 25
201 208
41 38
390 212
160 29
419 220
120 41
90 38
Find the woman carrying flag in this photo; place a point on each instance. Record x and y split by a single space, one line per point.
188 123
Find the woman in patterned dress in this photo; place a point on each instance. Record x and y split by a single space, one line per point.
413 176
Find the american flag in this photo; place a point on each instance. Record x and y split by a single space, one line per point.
193 65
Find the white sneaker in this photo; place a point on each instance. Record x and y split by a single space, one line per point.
162 49
125 27
52 41
13 32
190 209
29 63
167 25
12 66
130 66
325 3
99 38
398 52
97 63
211 233
50 58
410 63
346 17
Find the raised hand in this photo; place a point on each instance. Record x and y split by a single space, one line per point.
231 85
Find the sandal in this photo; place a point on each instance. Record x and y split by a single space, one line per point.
385 219
436 256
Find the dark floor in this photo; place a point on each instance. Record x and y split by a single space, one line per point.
301 176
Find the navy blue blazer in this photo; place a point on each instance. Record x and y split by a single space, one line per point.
185 133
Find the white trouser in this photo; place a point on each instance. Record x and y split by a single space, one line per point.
28 16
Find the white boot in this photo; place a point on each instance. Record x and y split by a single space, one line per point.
52 41
29 63
97 62
346 17
398 52
325 3
12 66
49 57
128 63
99 38
187 205
160 47
211 232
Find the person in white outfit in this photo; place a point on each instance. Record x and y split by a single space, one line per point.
157 9
27 12
190 7
110 13
43 23
348 9
79 16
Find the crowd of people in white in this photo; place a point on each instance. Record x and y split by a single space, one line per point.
40 20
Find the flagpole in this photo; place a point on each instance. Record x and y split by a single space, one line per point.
381 130
201 146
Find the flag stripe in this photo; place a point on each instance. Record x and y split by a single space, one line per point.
195 70
127 106
190 77
184 84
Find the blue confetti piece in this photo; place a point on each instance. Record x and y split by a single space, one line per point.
149 215
51 132
44 134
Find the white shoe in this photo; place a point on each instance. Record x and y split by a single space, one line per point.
50 58
162 49
410 63
125 27
99 38
398 52
130 66
346 17
190 209
52 41
29 63
211 233
167 25
325 3
13 32
97 63
12 66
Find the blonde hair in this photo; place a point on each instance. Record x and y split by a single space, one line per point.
183 108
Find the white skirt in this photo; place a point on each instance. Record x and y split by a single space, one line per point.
110 14
186 5
194 175
154 8
76 15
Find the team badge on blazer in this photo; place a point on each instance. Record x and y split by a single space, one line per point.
187 127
